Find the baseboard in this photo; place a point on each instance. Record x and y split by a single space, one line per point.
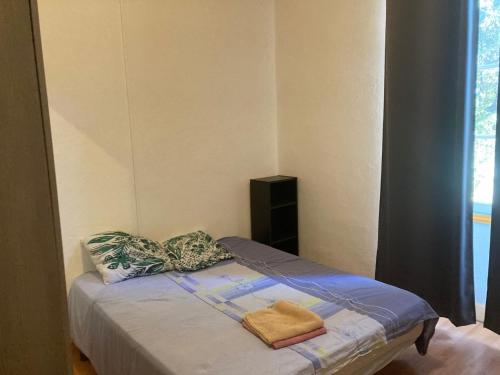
480 309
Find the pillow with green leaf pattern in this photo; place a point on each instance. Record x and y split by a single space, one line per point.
119 256
194 251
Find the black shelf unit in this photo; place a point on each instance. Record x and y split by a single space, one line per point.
273 203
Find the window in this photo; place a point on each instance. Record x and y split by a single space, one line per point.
486 100
484 147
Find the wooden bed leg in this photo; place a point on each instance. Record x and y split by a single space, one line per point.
83 357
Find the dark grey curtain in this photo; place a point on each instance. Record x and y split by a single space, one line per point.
492 317
425 229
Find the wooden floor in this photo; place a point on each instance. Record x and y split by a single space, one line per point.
81 367
470 350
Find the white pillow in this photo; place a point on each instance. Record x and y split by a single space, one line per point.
119 256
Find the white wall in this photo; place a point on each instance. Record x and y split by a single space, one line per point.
176 104
201 82
90 127
199 77
330 61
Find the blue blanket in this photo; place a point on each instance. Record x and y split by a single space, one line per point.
397 310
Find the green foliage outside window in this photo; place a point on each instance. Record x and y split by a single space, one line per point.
486 99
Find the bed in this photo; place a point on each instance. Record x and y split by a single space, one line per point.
189 323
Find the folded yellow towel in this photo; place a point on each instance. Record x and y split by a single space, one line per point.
281 321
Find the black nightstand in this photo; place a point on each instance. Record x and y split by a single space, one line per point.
273 202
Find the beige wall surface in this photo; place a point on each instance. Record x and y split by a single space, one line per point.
330 61
163 110
90 127
201 82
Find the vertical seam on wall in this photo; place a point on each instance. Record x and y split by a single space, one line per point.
125 73
276 102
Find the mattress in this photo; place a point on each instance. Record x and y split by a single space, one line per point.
166 324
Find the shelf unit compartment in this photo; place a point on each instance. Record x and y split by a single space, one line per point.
284 192
283 223
290 245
